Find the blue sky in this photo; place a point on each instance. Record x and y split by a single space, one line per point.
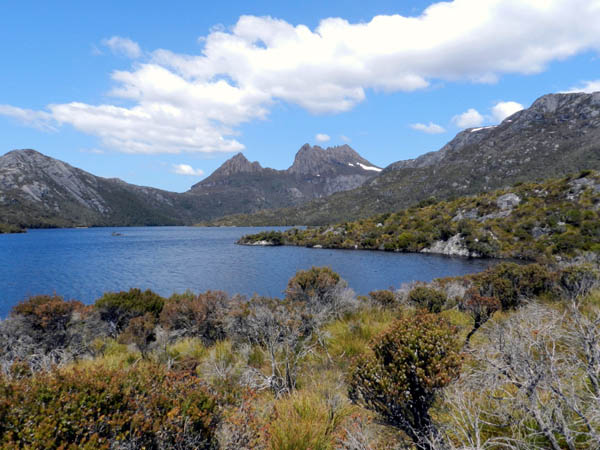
141 90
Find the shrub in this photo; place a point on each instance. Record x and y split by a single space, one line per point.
324 294
428 298
511 283
317 282
480 309
408 365
47 319
578 281
281 328
140 331
140 407
119 308
384 297
196 315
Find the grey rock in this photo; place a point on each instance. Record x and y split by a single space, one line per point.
508 201
454 246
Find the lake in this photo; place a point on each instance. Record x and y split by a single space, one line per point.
84 263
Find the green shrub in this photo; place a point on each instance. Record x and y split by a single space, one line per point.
428 298
99 408
512 283
384 297
578 281
407 367
315 283
120 307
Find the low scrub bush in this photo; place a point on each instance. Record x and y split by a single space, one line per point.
512 283
48 317
384 297
428 298
140 407
199 315
119 308
402 374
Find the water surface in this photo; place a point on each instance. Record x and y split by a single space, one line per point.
84 263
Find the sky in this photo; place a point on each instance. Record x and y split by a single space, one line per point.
162 93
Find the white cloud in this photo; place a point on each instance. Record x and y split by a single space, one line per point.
123 46
468 119
320 137
186 169
502 110
345 138
36 119
196 103
431 128
586 86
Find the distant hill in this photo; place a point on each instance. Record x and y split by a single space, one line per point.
559 134
39 191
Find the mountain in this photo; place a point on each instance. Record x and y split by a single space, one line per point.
241 186
559 134
39 191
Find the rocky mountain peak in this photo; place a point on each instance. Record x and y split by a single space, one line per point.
237 164
562 116
314 160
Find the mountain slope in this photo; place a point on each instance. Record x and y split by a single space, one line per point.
39 191
36 190
557 135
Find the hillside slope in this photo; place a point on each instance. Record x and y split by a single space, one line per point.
559 217
559 134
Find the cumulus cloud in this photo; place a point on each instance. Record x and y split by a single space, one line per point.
123 46
502 110
177 102
468 119
585 86
186 169
431 128
322 137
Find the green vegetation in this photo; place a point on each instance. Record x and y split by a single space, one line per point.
142 406
409 364
508 355
531 221
7 229
505 358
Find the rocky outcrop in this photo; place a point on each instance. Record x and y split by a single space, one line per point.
454 246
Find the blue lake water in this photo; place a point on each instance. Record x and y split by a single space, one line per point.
84 263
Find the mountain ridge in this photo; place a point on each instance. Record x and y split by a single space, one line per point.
39 191
559 134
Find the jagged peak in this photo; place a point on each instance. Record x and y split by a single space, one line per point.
238 163
315 159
